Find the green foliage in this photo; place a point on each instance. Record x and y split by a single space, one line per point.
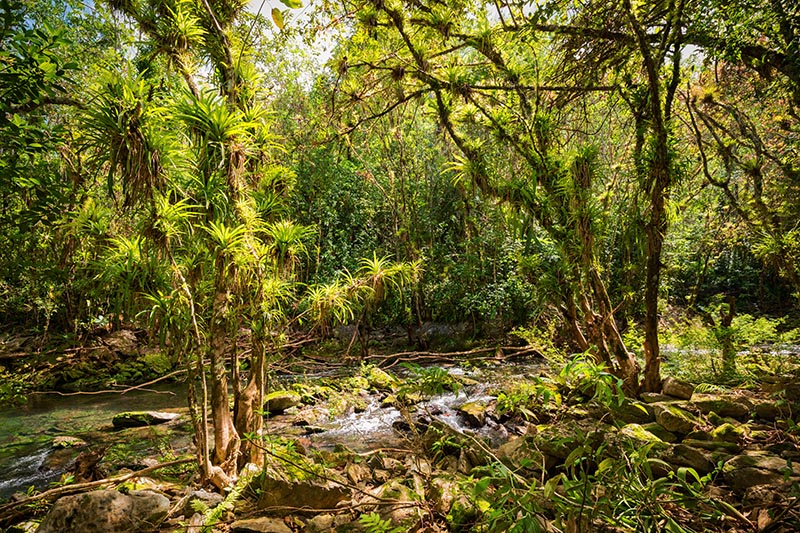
373 523
428 381
14 387
527 397
583 378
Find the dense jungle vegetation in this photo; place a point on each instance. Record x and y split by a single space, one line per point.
245 183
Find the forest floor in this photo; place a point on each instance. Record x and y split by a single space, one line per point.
489 440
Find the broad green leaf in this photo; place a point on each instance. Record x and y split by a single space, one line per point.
292 4
277 17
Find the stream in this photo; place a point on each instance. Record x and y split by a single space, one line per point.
27 456
29 459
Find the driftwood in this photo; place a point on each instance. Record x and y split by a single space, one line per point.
13 510
498 353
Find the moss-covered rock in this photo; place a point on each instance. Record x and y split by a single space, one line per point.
558 440
633 412
674 419
135 419
521 454
379 379
681 455
759 468
658 430
711 445
639 436
474 413
728 432
677 389
735 407
280 400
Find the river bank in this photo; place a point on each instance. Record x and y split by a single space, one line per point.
484 447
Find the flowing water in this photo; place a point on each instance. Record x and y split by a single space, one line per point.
28 458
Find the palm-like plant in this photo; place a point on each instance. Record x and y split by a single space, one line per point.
286 242
122 130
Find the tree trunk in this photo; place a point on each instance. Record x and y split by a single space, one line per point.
226 439
248 409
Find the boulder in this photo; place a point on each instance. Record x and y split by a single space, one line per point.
379 379
325 523
260 525
674 419
474 413
633 412
306 493
639 437
659 431
123 342
442 492
106 511
280 400
208 500
711 445
68 442
771 410
723 405
677 389
653 397
520 454
135 419
679 455
728 432
560 439
759 468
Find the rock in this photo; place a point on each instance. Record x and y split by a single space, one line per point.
106 511
653 397
771 410
311 416
659 431
677 389
680 455
560 439
722 405
711 445
283 493
442 493
763 496
123 342
759 468
728 433
674 419
321 523
208 499
639 437
280 400
405 508
135 419
380 380
633 412
68 442
474 413
260 525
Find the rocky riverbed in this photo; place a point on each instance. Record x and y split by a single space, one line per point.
490 449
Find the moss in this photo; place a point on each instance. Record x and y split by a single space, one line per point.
639 436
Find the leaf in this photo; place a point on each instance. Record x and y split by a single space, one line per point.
292 4
277 18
